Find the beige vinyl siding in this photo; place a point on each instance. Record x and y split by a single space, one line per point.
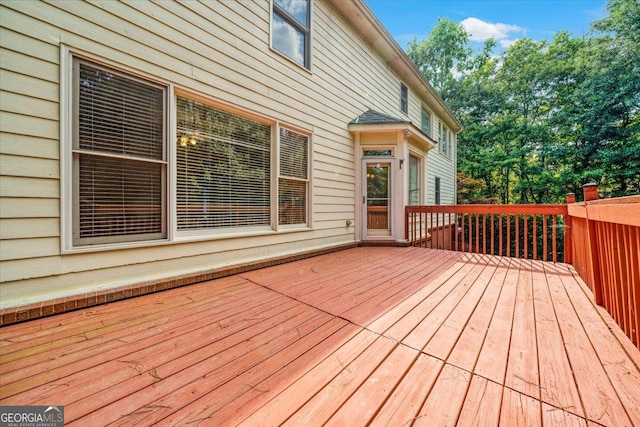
444 167
29 148
218 50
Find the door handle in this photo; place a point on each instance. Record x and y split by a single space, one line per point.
364 199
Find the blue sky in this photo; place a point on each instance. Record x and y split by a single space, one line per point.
505 20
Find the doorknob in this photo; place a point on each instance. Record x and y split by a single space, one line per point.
364 199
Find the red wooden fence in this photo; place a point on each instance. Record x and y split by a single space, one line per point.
606 249
601 238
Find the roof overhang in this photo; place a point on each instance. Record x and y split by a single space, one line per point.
410 132
373 32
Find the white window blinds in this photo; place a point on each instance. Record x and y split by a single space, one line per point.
293 181
223 168
119 157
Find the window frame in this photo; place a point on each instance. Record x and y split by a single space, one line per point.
290 20
280 176
404 98
437 195
420 160
71 153
444 140
426 113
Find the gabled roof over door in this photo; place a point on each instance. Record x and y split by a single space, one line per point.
372 121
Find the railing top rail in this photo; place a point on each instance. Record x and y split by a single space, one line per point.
492 209
615 201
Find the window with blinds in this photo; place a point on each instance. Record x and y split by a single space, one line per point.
118 151
294 178
223 168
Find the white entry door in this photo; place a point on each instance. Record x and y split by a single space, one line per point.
377 198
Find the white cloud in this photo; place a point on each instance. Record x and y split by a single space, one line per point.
480 31
505 43
288 41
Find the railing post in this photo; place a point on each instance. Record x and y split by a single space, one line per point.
568 232
591 193
406 223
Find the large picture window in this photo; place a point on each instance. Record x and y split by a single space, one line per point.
291 30
293 180
119 166
223 168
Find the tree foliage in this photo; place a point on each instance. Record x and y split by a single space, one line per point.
542 118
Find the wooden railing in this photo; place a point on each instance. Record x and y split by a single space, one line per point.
521 231
601 238
606 254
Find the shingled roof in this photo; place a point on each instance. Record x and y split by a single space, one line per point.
371 117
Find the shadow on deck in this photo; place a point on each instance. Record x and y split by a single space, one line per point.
373 335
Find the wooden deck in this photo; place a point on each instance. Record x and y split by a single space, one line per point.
366 336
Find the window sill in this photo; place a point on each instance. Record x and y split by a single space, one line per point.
282 55
182 239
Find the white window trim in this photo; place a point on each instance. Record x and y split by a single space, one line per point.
448 134
173 236
67 56
422 179
274 182
430 113
364 148
402 85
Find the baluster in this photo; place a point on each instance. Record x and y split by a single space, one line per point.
553 237
544 237
535 236
526 236
508 235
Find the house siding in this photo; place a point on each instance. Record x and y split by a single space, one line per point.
218 50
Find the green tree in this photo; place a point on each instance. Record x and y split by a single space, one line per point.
442 55
543 118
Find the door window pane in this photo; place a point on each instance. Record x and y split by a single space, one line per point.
378 200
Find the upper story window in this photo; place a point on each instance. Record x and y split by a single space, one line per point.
445 140
291 30
119 156
425 122
415 179
404 98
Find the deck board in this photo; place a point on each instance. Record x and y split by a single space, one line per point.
364 336
522 365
